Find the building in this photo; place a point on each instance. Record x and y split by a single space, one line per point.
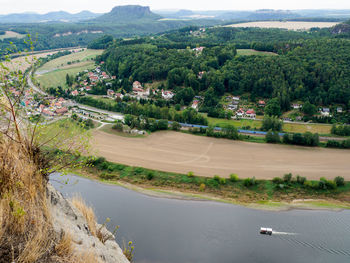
61 111
325 112
110 93
137 84
339 110
232 107
240 113
296 106
166 94
74 93
195 104
250 114
198 49
261 103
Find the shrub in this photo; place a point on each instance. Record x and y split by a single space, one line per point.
326 184
300 179
150 175
175 126
118 126
277 180
107 176
272 137
222 181
234 177
287 178
216 178
202 187
339 181
190 174
249 182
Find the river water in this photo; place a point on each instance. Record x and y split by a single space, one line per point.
178 231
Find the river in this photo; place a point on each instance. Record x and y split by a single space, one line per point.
179 231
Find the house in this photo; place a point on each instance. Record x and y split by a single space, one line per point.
195 104
250 114
119 95
61 111
200 74
47 112
110 93
325 112
87 88
74 93
232 107
137 84
261 103
167 94
296 106
198 49
240 113
339 109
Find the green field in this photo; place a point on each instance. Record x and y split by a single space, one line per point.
250 52
58 77
287 127
53 73
11 34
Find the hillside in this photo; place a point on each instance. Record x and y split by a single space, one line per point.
128 14
343 28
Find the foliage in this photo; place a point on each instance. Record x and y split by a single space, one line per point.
234 178
271 123
287 178
272 137
248 182
339 181
306 139
273 108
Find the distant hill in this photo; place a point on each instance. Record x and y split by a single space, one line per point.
59 16
128 14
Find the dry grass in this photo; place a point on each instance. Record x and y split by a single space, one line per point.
87 212
26 232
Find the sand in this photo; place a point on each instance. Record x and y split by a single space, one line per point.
179 152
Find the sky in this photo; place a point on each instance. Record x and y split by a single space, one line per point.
103 6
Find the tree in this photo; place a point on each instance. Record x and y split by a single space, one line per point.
309 109
271 123
273 108
272 137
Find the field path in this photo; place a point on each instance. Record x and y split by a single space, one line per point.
179 152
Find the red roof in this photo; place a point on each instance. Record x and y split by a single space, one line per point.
61 111
250 112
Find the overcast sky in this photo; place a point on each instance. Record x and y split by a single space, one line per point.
102 6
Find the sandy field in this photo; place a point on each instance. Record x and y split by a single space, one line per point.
290 25
179 152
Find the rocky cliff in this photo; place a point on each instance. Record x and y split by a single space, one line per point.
68 219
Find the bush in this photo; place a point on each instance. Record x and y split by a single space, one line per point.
339 181
222 181
216 178
107 176
150 175
287 178
326 184
175 126
249 182
234 177
118 126
272 137
277 180
202 187
301 180
190 174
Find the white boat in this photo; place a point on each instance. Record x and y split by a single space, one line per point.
266 231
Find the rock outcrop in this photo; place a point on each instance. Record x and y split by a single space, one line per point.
67 219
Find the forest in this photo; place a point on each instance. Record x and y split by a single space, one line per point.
312 67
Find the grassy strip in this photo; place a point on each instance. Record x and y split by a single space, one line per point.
242 191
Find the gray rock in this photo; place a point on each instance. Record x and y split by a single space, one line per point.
66 218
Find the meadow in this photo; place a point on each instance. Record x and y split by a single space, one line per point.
53 73
250 52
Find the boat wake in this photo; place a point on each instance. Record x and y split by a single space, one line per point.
283 233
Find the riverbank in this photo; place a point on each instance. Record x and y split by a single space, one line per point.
264 195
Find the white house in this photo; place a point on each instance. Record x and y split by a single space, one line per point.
250 114
166 94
